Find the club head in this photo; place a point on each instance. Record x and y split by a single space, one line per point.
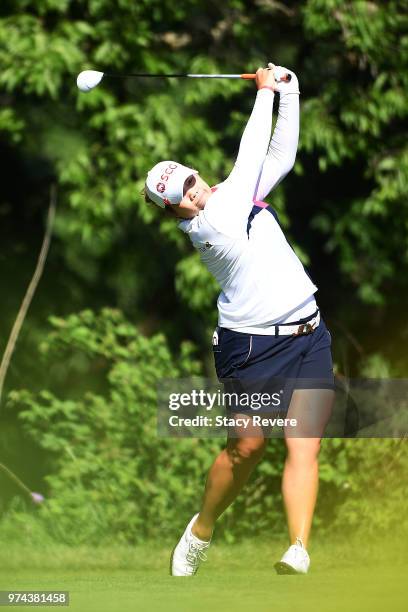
88 79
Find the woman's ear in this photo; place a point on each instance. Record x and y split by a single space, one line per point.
168 210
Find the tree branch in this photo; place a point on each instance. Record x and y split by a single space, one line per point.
30 290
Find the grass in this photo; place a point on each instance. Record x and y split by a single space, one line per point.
358 575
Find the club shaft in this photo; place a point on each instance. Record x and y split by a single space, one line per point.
181 75
286 77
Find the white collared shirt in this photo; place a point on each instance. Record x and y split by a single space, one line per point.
261 277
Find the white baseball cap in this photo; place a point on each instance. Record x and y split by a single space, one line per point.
165 182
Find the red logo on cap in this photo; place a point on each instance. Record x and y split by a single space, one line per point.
160 187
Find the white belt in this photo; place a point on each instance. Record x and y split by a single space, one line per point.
299 329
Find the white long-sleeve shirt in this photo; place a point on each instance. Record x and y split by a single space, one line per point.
239 239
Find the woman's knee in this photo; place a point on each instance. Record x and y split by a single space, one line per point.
246 450
303 449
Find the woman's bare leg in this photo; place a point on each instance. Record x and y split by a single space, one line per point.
300 482
227 476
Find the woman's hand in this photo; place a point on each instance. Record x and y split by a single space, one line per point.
282 86
265 78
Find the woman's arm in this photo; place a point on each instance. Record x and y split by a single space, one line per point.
283 145
228 208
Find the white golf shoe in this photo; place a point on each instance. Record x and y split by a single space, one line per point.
188 554
295 560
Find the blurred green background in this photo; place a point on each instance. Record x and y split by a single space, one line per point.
124 300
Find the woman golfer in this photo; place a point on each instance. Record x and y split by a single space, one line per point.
269 326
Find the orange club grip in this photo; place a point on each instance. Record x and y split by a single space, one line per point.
285 77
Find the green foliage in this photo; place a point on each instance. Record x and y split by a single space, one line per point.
110 473
358 116
345 206
111 478
369 476
197 287
354 93
11 124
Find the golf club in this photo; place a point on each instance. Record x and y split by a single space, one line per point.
88 79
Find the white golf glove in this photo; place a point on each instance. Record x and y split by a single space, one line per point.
282 86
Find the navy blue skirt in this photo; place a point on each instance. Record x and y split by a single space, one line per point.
256 364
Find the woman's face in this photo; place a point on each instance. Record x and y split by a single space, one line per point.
196 193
